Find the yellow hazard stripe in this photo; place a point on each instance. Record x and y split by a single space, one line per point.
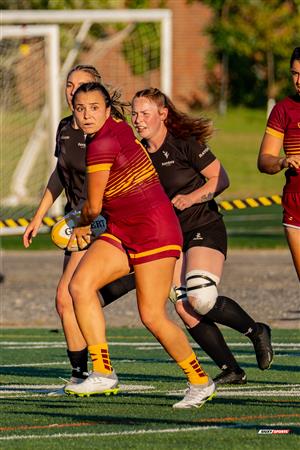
249 202
225 205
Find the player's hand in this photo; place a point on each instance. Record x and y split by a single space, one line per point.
82 235
293 161
31 231
182 202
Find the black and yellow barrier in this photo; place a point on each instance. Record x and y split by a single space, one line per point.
17 226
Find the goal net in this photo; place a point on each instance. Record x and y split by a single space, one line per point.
130 48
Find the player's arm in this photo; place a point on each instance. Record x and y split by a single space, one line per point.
52 191
96 183
217 182
269 159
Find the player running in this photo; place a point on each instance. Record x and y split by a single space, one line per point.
142 232
69 176
192 177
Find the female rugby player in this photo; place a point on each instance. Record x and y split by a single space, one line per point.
192 176
69 176
283 131
142 232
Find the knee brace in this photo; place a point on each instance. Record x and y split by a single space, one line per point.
177 293
202 287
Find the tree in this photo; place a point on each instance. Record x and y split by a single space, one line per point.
263 31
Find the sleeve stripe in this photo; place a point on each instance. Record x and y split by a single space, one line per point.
275 133
98 168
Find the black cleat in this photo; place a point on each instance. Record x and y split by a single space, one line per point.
262 344
229 376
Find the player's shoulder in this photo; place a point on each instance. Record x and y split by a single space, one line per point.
66 121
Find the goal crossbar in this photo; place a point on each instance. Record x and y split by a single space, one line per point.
164 16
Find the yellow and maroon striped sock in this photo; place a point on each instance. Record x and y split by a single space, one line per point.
193 370
100 358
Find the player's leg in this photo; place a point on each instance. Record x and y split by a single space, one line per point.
101 264
293 239
153 314
205 332
116 289
76 345
202 280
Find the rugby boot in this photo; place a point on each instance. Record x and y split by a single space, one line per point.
229 376
196 395
262 344
61 391
95 384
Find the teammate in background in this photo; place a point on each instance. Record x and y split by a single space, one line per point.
142 231
192 176
283 131
69 175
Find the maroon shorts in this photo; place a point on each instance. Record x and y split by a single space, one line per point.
291 209
148 236
291 199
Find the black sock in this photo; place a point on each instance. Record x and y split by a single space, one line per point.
227 312
117 288
212 342
79 363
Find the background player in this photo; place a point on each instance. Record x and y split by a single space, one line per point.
69 175
283 131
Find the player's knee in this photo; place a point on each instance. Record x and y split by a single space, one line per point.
63 300
202 290
150 318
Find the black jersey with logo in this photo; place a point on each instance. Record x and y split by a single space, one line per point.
178 163
70 152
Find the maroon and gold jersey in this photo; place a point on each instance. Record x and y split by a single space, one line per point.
284 122
132 176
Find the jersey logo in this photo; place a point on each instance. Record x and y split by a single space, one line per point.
204 151
198 237
298 124
166 154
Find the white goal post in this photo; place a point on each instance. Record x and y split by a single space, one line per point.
132 72
163 16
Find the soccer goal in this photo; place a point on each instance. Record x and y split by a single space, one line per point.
130 48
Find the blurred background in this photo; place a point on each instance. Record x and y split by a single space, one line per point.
227 60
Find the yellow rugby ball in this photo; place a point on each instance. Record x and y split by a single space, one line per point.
62 230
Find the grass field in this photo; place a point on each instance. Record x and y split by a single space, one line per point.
141 416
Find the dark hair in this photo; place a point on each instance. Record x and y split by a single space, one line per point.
178 123
86 68
295 55
118 108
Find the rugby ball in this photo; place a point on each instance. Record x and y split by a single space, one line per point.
62 230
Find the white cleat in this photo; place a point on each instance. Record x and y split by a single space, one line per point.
196 395
61 391
95 384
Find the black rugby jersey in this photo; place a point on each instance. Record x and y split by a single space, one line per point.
71 151
178 163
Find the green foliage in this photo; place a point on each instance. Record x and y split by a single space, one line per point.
250 32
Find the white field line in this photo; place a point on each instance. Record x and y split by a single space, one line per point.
130 361
29 391
109 434
137 344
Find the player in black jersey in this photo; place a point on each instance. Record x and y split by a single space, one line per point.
192 177
69 175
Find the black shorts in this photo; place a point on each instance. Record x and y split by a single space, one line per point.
212 235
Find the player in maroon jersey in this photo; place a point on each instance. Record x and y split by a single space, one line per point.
192 176
142 231
69 176
283 131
